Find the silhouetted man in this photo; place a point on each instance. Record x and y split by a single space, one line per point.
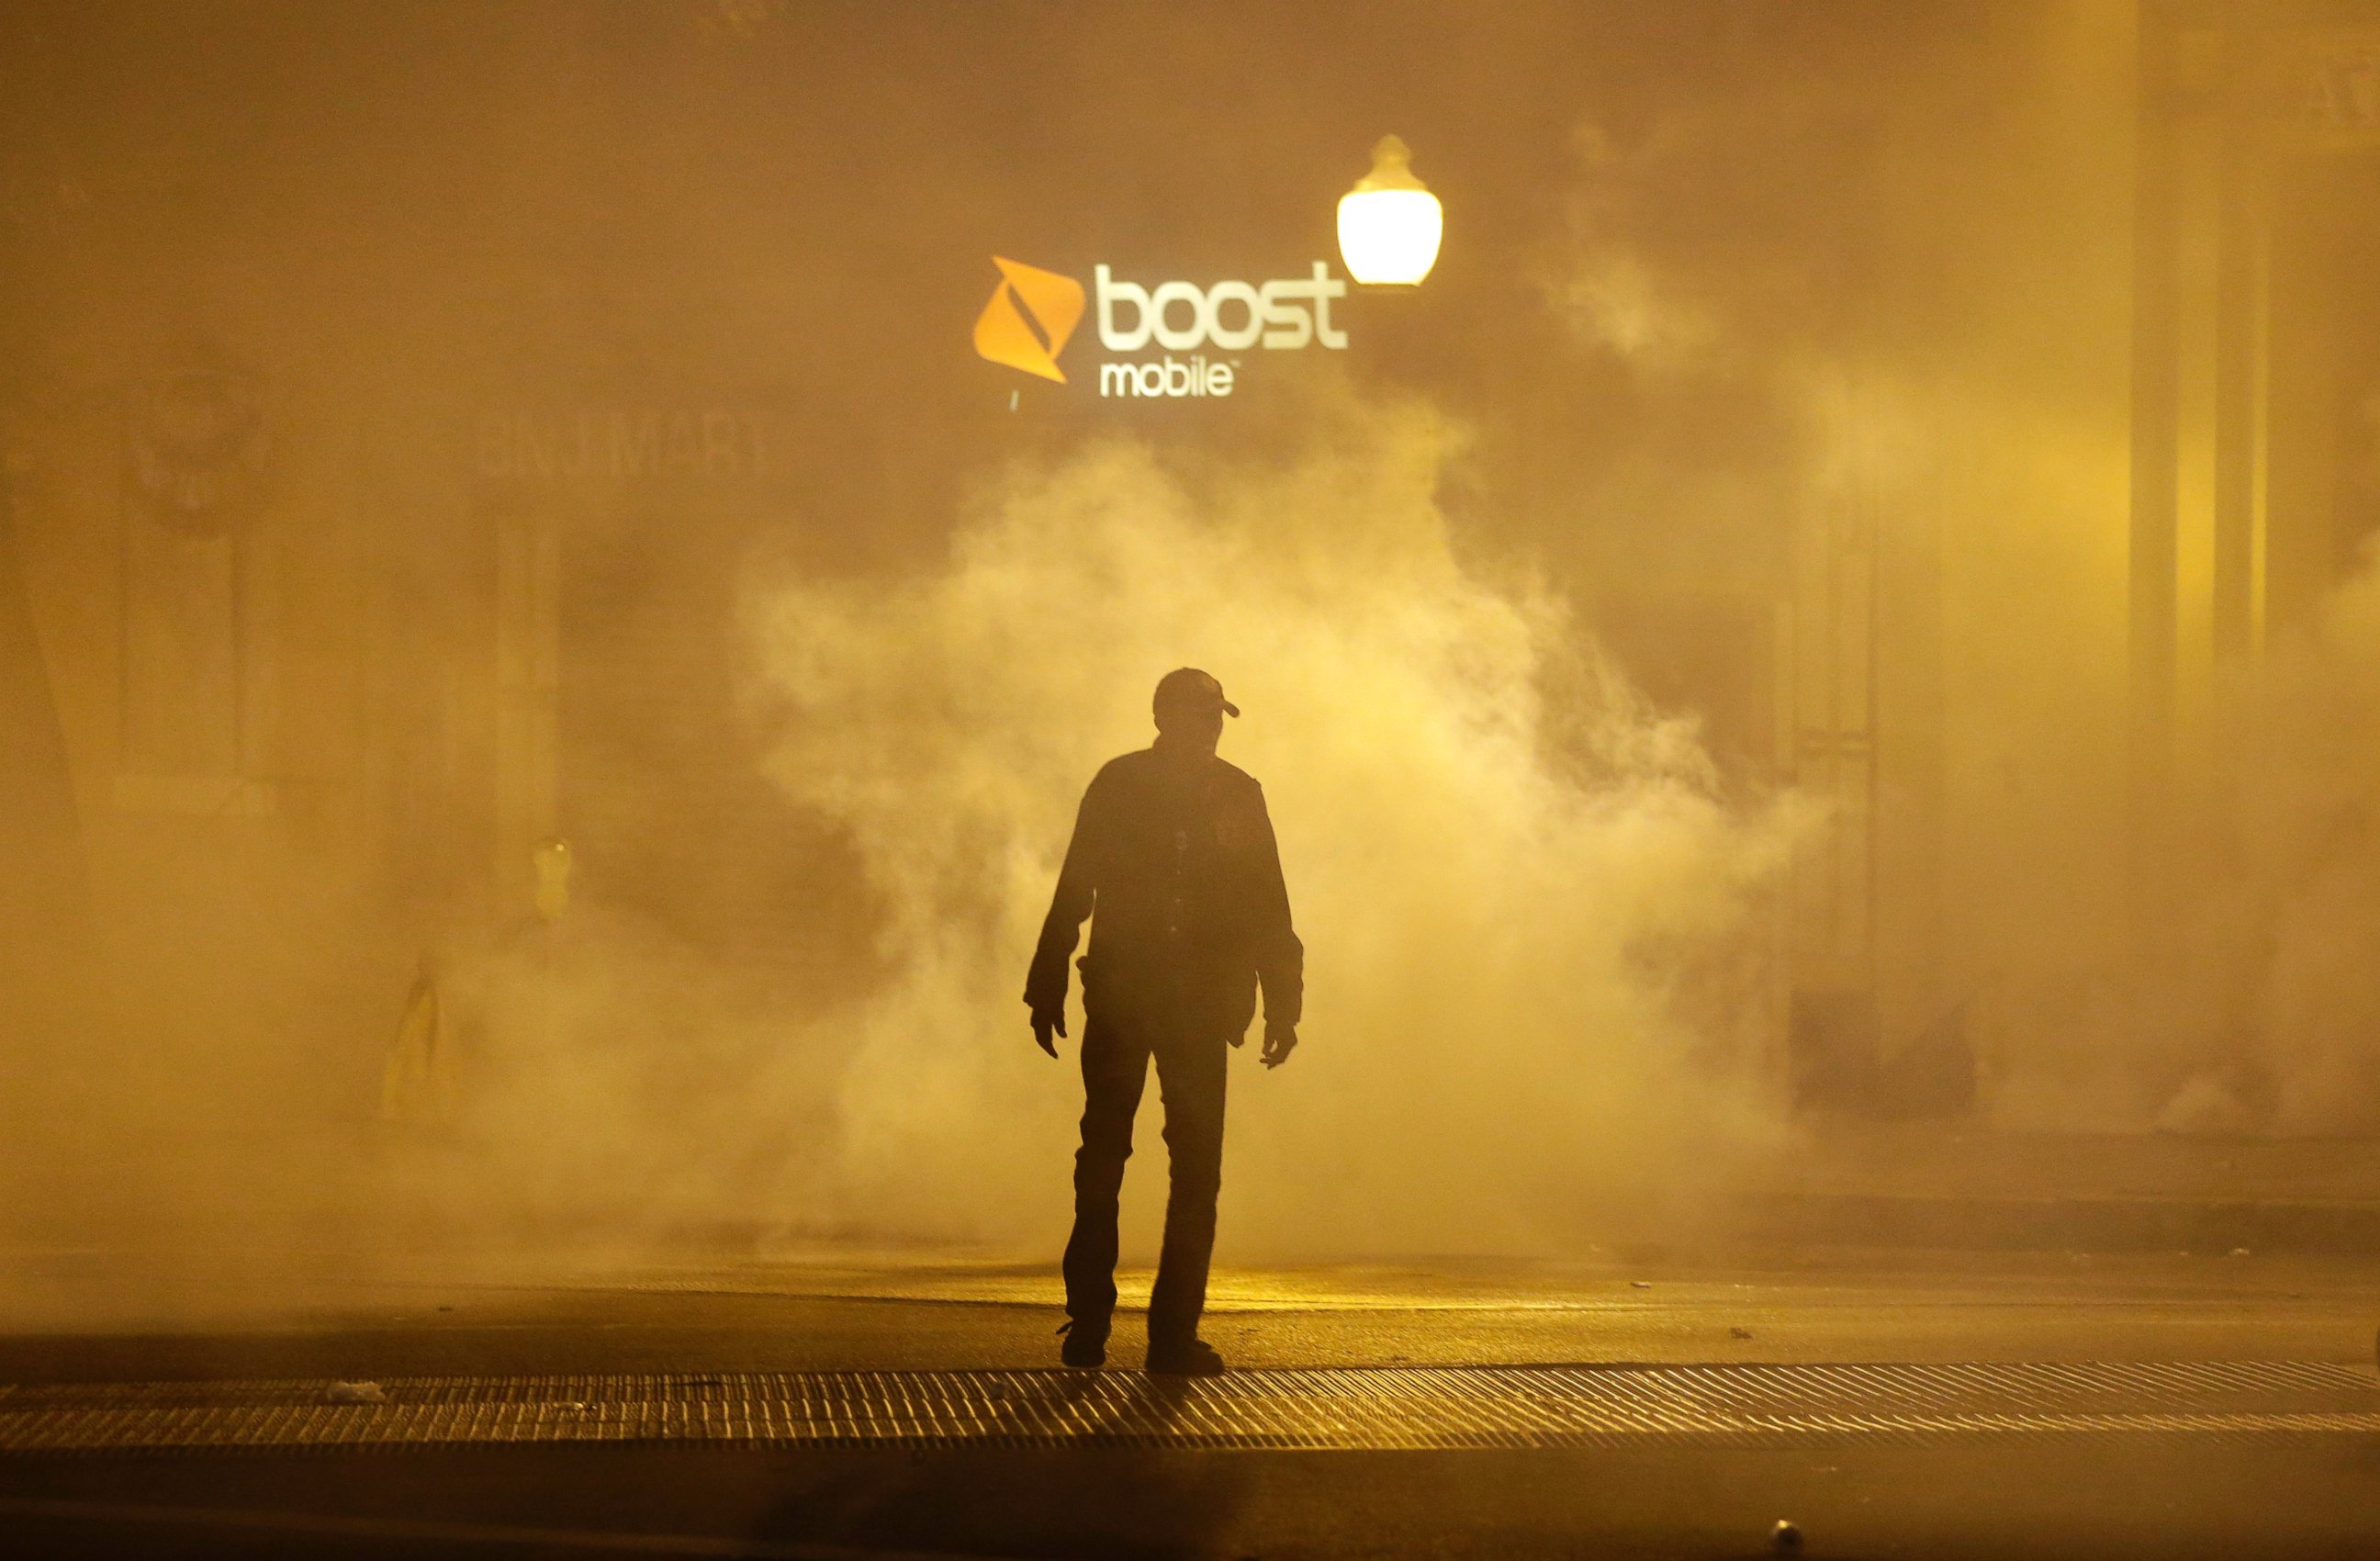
1173 849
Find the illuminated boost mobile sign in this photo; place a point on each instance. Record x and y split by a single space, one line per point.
1033 314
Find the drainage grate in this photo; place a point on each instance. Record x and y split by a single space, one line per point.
1373 1409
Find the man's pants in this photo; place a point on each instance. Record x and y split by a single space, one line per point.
1190 1075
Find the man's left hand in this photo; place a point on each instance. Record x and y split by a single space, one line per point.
1277 1044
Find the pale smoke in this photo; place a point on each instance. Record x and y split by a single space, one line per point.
1536 934
609 1083
2261 1016
1612 299
2254 1007
2294 929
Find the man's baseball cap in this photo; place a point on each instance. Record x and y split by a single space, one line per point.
1187 688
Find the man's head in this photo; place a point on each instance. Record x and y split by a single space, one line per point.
1190 707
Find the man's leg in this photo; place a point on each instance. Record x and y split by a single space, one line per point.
1191 1075
1116 1068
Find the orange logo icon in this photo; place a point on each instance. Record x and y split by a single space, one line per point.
1031 314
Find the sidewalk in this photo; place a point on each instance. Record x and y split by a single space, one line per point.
1953 1187
1859 1186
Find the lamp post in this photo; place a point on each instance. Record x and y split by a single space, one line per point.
1390 224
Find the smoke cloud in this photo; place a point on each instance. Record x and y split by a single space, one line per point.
1535 929
2280 993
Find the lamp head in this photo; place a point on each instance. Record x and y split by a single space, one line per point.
1390 224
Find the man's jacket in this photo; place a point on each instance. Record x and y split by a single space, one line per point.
1175 853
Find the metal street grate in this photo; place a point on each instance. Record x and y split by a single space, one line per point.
1386 1408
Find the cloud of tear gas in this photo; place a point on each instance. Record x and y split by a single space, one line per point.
1534 927
2283 986
1873 368
1825 283
593 1080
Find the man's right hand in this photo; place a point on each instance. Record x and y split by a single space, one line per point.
1044 1022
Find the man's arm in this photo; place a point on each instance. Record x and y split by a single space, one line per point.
1045 984
1281 957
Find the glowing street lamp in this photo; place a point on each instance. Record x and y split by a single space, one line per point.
1389 224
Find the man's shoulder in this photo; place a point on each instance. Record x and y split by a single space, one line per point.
1141 763
1121 777
1124 766
1233 776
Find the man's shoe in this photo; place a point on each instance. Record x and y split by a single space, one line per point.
1086 1347
1187 1357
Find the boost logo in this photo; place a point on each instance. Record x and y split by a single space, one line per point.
1031 314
